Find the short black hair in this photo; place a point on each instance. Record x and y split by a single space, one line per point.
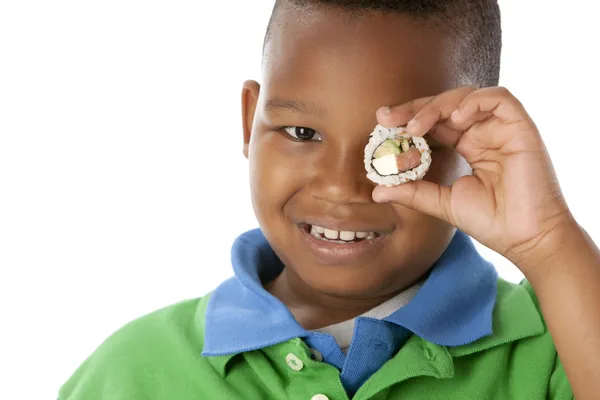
474 24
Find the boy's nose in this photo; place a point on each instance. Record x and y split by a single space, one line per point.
340 176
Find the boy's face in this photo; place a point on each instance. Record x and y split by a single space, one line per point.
328 73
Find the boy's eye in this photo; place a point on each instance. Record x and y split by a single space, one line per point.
302 134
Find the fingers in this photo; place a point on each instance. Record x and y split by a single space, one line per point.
428 115
484 103
438 110
448 116
400 115
423 196
498 106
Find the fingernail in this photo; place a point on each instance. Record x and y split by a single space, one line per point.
379 197
455 114
384 111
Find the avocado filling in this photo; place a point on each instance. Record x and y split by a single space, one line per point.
395 156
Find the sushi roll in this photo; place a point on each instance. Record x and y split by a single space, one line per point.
392 157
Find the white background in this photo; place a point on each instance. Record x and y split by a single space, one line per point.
109 205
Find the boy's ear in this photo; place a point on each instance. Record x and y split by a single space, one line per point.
249 100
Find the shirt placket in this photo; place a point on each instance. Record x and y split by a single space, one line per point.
303 376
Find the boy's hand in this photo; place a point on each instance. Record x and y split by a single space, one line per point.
512 201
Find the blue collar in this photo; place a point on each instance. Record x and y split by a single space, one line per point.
453 307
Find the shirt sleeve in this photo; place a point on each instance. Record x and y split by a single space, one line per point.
559 389
106 374
139 357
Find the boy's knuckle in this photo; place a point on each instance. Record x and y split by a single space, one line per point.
469 88
503 91
433 106
413 198
412 107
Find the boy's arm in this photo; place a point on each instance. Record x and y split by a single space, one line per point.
511 203
565 275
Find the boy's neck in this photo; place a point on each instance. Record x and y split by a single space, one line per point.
314 309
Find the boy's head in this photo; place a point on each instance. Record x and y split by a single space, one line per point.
328 65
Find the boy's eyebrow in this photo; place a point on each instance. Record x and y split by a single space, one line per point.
297 106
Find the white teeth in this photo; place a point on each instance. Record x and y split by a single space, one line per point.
315 232
347 236
339 236
331 235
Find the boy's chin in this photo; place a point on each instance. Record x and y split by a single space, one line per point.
352 282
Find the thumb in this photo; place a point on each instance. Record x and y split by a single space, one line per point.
423 196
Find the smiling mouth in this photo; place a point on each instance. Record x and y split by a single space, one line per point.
341 247
340 237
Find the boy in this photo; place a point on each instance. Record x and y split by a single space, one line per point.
405 308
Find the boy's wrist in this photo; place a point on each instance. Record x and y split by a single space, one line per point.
557 250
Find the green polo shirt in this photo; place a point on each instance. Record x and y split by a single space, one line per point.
158 357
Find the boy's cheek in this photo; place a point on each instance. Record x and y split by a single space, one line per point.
279 167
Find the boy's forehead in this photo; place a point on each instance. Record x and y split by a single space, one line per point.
373 60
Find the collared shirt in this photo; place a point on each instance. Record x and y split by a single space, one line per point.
343 332
452 308
158 356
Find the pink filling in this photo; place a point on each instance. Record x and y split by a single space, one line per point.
408 160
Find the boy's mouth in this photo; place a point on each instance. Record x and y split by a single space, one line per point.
341 247
342 237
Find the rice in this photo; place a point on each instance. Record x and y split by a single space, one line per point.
380 135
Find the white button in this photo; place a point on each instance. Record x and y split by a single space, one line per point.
319 397
294 362
316 355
